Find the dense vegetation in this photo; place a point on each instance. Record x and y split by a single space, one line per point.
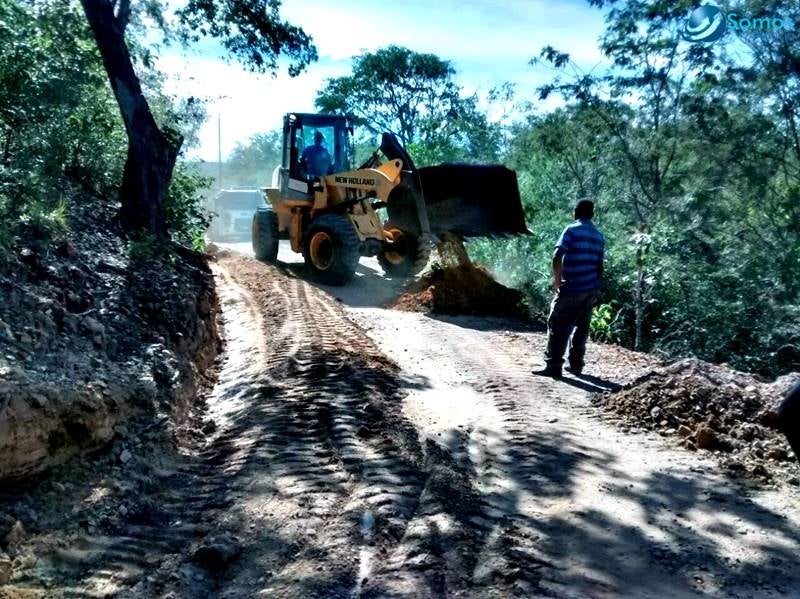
691 150
60 128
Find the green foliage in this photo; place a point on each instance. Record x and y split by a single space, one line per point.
694 168
251 165
465 135
414 95
145 248
187 217
250 30
393 89
58 122
60 127
602 323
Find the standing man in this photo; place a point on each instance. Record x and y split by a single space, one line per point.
577 273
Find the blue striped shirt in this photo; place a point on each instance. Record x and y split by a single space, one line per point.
584 248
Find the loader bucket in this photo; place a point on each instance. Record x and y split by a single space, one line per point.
463 199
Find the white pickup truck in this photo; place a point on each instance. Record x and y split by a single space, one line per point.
233 214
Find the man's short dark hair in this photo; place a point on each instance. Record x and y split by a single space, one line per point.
584 208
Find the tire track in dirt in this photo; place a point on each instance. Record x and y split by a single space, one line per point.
339 450
181 494
465 508
312 466
318 471
569 506
410 514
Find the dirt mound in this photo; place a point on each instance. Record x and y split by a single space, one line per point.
461 289
712 408
455 285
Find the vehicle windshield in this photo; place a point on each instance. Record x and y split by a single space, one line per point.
327 138
243 200
317 156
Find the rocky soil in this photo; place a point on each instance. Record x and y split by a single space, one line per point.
90 336
712 408
297 476
572 505
102 349
461 289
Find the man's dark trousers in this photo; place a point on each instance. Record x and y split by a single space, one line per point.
567 312
790 418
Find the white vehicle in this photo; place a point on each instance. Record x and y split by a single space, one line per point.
233 213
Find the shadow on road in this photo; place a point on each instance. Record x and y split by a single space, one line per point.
294 445
590 384
664 553
368 289
491 323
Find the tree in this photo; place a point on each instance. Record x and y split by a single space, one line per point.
251 30
415 96
465 134
252 163
700 176
393 89
653 70
58 119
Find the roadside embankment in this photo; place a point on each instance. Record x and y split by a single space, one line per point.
91 334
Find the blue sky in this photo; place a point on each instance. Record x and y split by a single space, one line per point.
489 42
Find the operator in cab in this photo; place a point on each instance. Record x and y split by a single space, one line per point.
316 160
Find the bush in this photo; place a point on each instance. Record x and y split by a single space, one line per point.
187 218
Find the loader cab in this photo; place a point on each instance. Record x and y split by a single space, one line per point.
314 145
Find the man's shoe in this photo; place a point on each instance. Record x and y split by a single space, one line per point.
576 370
548 371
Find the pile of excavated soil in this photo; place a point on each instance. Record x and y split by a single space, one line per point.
712 408
461 289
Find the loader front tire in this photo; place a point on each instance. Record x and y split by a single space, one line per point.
409 254
330 249
265 235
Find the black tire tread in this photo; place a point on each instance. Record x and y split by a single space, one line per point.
265 244
347 252
415 263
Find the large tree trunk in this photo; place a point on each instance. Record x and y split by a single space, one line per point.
151 152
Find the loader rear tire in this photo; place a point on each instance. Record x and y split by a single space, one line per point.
265 235
331 249
410 256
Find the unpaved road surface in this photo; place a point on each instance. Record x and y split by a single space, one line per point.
362 452
575 507
556 501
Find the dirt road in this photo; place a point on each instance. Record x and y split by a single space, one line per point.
361 452
556 500
586 509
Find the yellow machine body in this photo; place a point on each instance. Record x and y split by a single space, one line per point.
330 212
358 189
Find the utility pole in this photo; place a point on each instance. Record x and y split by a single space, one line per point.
219 149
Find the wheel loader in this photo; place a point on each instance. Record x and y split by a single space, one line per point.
387 207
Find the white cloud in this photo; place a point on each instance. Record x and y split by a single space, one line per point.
488 41
242 103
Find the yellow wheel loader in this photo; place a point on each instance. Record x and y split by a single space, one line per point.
333 214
